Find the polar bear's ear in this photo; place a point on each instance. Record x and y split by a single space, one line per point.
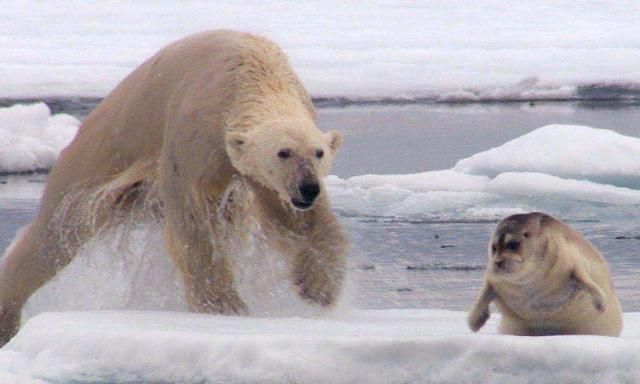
235 141
334 139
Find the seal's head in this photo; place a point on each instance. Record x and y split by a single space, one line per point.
518 244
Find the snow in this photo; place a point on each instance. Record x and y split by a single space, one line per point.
441 50
531 183
445 180
360 346
568 151
31 137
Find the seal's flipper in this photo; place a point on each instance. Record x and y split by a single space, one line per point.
585 282
479 313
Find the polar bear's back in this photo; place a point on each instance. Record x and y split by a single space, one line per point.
188 87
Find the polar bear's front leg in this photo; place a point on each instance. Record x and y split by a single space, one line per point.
319 268
214 291
318 278
206 274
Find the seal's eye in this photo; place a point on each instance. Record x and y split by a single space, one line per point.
494 248
284 153
526 234
513 245
319 153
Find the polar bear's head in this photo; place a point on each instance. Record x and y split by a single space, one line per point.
288 157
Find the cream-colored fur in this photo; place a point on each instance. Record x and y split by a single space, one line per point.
211 129
546 279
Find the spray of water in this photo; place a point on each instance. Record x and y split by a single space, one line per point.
125 265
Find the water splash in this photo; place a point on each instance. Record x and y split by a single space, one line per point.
129 268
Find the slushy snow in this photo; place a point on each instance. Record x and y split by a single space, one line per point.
438 50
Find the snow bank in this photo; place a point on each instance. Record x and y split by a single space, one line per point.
440 50
31 137
568 151
570 170
445 180
395 346
531 184
427 195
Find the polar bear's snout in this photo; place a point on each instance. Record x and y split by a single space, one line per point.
309 191
306 194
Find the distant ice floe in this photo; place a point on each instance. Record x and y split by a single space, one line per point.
31 137
572 170
568 151
529 183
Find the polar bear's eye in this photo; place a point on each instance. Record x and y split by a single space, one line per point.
284 153
319 153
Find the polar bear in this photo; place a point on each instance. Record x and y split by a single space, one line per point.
212 129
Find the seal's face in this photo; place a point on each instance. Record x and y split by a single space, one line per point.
517 245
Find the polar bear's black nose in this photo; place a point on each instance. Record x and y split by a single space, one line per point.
309 191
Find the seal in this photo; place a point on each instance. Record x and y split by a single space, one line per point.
546 279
